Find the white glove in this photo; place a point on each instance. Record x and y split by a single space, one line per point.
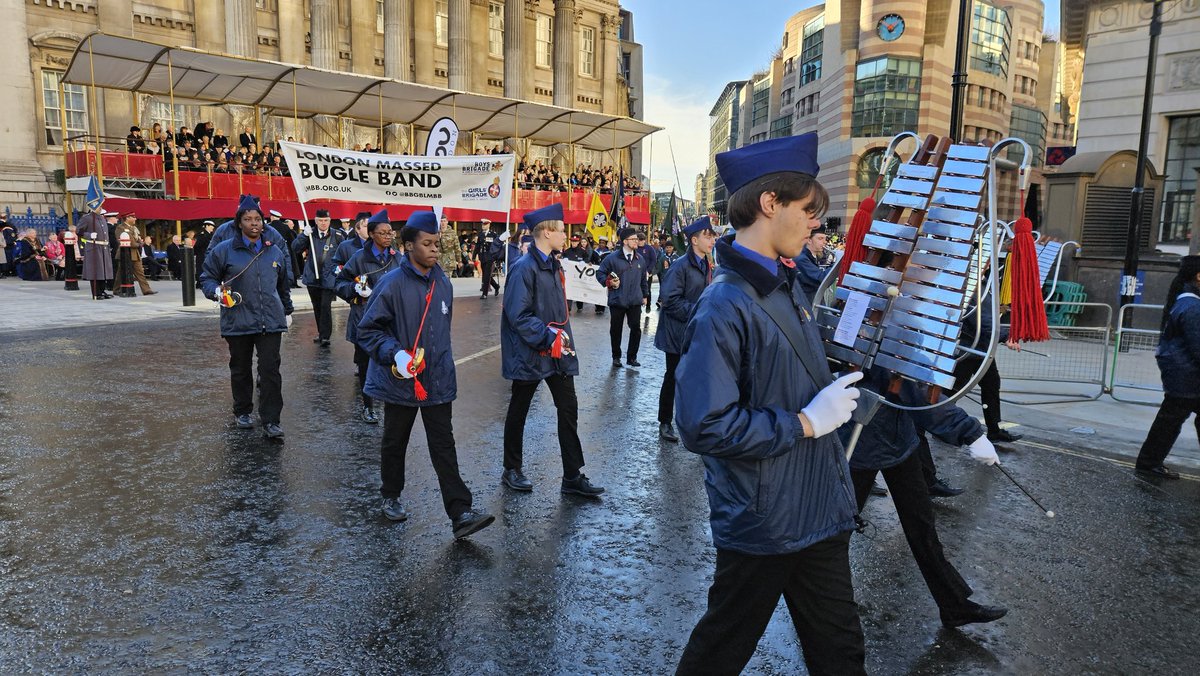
983 451
832 406
306 230
403 359
287 319
92 236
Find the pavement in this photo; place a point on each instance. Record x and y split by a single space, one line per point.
143 533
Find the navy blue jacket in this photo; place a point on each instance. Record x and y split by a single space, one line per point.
265 286
226 231
631 273
374 264
533 298
891 436
967 337
345 250
810 274
682 284
325 247
1179 348
739 389
390 325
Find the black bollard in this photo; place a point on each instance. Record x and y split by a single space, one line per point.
70 267
189 276
125 268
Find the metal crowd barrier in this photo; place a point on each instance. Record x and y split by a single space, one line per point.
1134 377
1075 360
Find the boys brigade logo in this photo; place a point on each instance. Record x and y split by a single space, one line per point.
481 167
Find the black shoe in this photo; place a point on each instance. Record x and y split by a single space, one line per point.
616 363
1160 472
514 479
107 295
317 339
1002 436
483 296
973 615
272 431
367 415
581 486
393 510
635 363
667 432
471 521
941 489
324 342
245 422
878 491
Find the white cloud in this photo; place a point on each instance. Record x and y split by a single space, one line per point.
684 116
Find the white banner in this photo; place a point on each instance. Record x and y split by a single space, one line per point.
582 285
442 141
480 182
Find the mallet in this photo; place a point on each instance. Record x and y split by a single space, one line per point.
1027 493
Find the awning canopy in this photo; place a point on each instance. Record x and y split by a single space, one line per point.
285 90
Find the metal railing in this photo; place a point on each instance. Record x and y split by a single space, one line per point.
1134 369
1075 359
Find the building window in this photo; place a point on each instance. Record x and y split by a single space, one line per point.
1029 125
1179 189
378 16
867 170
441 22
545 40
160 111
786 98
811 49
496 29
808 105
781 127
760 102
887 93
990 31
74 103
587 51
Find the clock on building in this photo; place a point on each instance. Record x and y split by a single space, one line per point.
890 27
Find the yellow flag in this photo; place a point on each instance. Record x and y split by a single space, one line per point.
598 224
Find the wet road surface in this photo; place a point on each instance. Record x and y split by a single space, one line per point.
141 532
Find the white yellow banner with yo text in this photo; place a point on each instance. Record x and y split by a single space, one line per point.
480 182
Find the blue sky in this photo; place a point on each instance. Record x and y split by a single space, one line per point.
691 50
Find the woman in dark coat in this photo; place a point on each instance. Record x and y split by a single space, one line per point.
1179 361
97 260
27 254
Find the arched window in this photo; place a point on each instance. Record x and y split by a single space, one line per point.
868 169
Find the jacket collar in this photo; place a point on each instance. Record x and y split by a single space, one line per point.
544 262
762 281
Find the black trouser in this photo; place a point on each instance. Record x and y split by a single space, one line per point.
815 582
629 315
488 283
322 302
241 375
439 433
989 389
1165 429
666 395
910 494
925 456
562 389
362 360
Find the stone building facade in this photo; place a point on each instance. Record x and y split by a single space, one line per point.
579 54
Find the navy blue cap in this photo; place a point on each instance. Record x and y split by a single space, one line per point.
362 215
425 221
625 233
381 217
740 166
527 239
551 212
249 203
699 225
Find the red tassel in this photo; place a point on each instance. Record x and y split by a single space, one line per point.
859 226
1028 315
419 390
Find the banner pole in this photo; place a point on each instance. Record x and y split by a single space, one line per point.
312 248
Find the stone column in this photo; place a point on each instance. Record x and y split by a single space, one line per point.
209 19
397 36
514 48
458 59
362 36
478 52
115 107
324 31
22 182
291 33
564 53
424 40
610 54
241 28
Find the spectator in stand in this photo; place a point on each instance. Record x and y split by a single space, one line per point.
184 136
134 143
220 140
247 138
175 257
